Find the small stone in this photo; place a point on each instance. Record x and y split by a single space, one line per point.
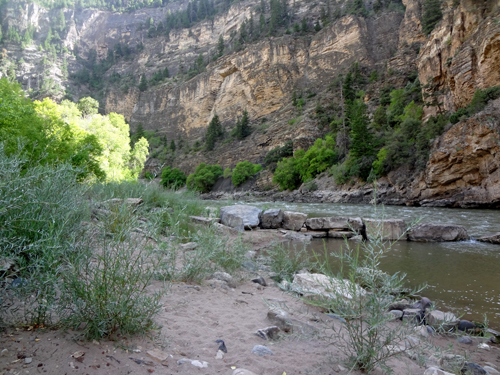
224 276
465 340
451 362
260 280
484 346
157 354
396 313
269 333
199 364
436 371
189 246
28 360
78 354
222 345
473 369
242 371
4 353
220 354
421 331
261 350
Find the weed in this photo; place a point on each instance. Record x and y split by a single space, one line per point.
286 261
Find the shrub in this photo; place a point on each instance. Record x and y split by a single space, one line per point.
287 175
431 15
286 261
278 153
228 172
172 178
364 331
243 171
204 177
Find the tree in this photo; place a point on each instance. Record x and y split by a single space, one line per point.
214 131
143 84
172 178
243 171
172 145
317 26
242 129
204 177
88 106
48 39
304 27
138 156
431 15
166 73
220 46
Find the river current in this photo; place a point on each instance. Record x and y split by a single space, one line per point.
462 277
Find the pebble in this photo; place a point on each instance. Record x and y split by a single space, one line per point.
260 280
157 354
483 346
465 340
269 333
261 350
242 371
4 353
28 360
220 354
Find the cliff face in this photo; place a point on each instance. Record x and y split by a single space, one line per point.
462 53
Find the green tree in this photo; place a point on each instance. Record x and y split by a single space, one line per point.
204 177
243 171
431 15
242 128
48 39
287 175
88 106
220 46
317 26
143 84
214 131
172 178
138 157
172 145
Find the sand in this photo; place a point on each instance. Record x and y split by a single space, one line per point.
192 318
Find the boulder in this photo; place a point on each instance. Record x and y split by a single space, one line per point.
271 219
240 215
435 232
440 319
473 369
436 371
317 284
336 223
389 230
494 239
293 220
293 236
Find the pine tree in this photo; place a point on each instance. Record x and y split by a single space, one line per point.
242 126
304 25
143 84
431 15
46 44
172 145
214 131
220 45
166 73
317 27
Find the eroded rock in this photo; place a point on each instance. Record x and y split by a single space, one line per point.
436 232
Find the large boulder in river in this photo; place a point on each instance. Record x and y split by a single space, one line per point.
272 219
389 230
434 232
240 215
340 224
293 220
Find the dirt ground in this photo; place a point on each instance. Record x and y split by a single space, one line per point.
192 318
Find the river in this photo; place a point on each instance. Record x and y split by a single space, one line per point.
462 277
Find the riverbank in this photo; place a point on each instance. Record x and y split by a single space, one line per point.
233 309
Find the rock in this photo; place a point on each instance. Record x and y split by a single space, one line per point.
28 360
465 340
423 304
295 236
435 232
358 238
491 370
470 368
466 326
338 223
224 229
4 353
452 362
436 371
293 220
400 305
222 345
237 215
318 284
271 219
196 363
439 319
260 280
219 355
224 276
157 355
494 239
398 314
204 220
249 265
415 315
286 323
421 331
242 371
484 346
261 350
189 246
340 234
389 230
269 333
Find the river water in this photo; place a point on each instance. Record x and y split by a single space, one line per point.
462 277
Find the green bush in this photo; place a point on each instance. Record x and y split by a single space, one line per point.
172 178
204 177
278 153
431 15
243 171
228 172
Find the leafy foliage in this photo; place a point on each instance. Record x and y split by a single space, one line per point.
172 178
431 15
204 177
243 171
